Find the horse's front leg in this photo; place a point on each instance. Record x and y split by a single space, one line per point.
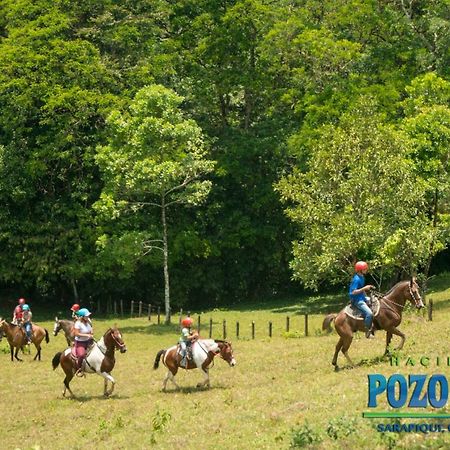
402 337
107 376
206 380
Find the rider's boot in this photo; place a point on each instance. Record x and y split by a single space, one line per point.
370 332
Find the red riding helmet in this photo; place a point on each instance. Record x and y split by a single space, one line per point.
21 301
360 266
75 307
187 322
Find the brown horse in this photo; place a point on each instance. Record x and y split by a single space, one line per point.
389 318
67 327
17 338
100 360
203 353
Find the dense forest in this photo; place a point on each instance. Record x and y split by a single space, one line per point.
205 152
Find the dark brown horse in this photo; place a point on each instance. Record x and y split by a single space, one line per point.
389 318
203 353
17 338
100 360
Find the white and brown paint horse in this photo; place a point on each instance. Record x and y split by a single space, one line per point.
203 353
17 338
100 360
67 327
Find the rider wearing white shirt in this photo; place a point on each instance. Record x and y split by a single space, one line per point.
83 333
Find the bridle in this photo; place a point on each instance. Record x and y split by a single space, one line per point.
119 345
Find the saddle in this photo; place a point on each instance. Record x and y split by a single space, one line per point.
355 313
188 356
88 352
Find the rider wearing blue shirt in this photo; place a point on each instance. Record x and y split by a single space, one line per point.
357 291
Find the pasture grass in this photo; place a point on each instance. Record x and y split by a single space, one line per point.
282 393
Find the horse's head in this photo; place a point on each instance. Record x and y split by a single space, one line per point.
414 293
113 338
226 352
56 327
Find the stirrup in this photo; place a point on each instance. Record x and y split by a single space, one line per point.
80 373
370 334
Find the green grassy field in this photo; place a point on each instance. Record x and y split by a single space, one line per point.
283 389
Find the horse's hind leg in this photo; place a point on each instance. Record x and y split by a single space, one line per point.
345 346
338 349
16 354
67 380
388 341
38 354
170 376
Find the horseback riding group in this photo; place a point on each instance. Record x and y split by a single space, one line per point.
85 355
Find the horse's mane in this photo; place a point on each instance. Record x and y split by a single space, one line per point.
395 286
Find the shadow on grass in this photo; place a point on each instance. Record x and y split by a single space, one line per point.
89 398
193 389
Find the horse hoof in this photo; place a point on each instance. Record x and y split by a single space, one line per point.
336 368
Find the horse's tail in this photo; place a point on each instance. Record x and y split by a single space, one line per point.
47 339
326 325
158 357
56 359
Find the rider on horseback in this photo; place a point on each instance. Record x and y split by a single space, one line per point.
75 308
358 298
18 312
186 340
26 322
83 333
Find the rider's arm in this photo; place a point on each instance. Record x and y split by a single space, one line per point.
365 288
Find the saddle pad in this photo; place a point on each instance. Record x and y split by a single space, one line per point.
355 313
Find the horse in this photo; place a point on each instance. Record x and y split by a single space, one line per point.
389 318
66 326
100 360
203 353
17 338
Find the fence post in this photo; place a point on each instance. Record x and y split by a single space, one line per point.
224 329
121 307
253 329
159 315
140 308
181 315
270 329
198 324
288 324
169 314
210 328
430 309
306 324
237 330
149 311
115 307
132 308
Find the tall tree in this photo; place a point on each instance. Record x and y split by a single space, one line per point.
358 199
155 158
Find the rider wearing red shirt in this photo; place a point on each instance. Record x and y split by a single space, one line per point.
18 312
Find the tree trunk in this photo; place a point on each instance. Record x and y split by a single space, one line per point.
166 262
75 290
430 256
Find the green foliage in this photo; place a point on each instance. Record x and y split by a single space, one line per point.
358 194
304 436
